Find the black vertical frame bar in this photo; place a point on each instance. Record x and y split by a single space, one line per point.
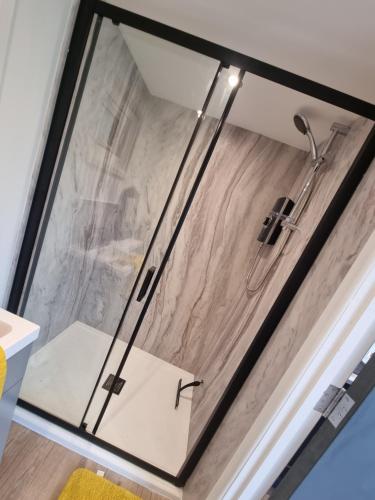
68 82
86 12
171 244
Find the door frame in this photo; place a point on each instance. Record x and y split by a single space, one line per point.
338 341
86 12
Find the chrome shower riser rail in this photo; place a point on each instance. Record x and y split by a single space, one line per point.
308 185
289 222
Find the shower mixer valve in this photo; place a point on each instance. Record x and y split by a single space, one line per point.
272 224
285 213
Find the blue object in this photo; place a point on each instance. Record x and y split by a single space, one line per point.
346 471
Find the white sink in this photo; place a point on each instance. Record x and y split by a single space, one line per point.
15 333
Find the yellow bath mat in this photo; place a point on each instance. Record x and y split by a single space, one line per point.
84 484
3 370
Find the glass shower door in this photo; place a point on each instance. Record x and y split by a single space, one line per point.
136 113
139 412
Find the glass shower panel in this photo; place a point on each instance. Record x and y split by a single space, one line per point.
173 213
136 110
149 381
209 305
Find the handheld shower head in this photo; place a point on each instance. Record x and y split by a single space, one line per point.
302 124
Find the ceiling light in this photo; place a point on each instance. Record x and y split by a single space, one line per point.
233 80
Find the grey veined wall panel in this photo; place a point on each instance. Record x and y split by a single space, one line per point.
201 318
344 244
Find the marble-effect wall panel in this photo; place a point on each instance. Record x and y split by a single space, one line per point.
331 266
123 156
330 178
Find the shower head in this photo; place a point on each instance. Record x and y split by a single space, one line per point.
302 124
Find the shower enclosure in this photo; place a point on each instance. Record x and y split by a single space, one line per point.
135 268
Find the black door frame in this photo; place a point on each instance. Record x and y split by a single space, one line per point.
85 16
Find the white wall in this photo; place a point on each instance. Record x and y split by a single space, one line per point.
33 38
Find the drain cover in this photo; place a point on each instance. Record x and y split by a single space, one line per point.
118 386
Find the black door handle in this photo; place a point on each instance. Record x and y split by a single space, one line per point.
146 283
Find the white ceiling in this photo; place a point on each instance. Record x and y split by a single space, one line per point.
329 42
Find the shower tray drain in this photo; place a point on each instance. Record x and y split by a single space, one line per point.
118 385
